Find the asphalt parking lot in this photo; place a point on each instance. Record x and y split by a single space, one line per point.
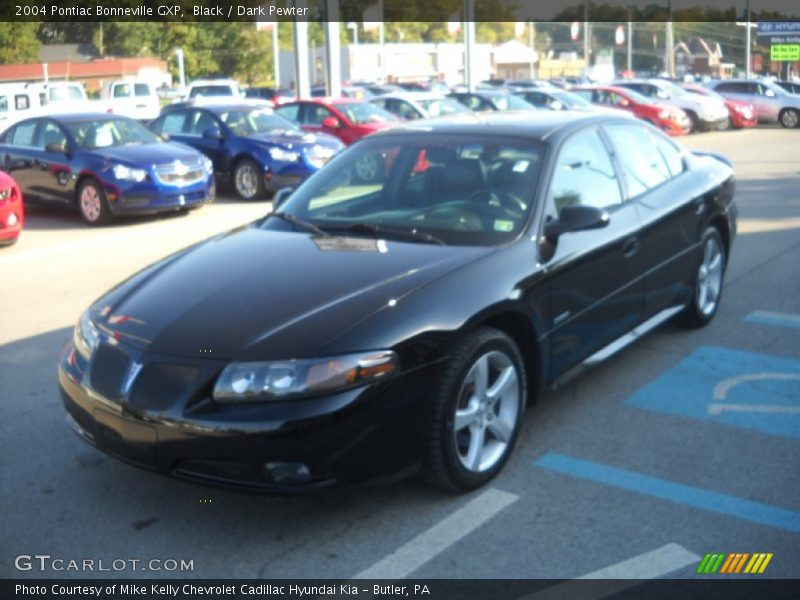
685 444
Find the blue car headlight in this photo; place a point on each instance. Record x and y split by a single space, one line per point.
85 336
124 173
208 166
282 380
283 155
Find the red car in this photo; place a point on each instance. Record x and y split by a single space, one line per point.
672 120
12 215
346 118
742 114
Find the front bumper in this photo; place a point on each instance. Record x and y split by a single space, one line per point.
716 122
148 197
366 434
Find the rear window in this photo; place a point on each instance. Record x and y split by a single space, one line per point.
211 90
141 89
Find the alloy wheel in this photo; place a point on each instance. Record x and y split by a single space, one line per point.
246 180
90 203
709 277
487 411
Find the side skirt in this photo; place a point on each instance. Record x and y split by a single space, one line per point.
617 345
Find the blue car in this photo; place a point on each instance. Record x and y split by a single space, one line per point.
252 148
104 165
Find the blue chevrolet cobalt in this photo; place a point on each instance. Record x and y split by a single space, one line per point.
105 166
252 148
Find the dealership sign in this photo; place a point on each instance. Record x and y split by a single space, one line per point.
778 28
789 52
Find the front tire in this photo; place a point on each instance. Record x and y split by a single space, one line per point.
93 203
790 118
477 411
708 281
247 180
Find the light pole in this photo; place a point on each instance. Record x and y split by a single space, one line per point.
586 38
181 74
354 28
669 66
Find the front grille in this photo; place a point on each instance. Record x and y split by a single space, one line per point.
188 197
159 385
180 172
109 367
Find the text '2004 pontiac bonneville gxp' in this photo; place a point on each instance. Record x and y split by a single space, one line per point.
374 328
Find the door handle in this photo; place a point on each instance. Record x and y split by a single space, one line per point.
630 247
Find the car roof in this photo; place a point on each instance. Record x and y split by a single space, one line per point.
219 106
326 101
539 125
82 116
412 96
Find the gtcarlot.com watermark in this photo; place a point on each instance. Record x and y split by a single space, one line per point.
45 563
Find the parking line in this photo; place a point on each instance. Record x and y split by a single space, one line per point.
621 576
741 508
432 542
774 318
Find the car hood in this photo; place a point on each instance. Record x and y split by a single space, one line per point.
291 138
695 101
148 154
256 294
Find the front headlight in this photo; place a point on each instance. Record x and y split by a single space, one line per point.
281 380
283 155
124 173
6 194
85 336
208 166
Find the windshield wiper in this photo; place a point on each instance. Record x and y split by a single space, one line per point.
376 229
298 222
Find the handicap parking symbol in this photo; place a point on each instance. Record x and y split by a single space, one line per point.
732 387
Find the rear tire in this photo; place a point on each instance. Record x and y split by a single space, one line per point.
477 410
695 121
708 281
789 118
93 203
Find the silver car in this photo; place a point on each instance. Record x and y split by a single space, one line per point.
418 105
705 113
772 103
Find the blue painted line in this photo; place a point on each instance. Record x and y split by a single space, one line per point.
771 318
741 389
748 510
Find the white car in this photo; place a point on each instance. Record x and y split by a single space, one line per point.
224 89
17 101
131 98
706 113
418 105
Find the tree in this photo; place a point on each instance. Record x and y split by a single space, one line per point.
18 43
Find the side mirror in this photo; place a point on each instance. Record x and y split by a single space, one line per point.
331 123
164 136
280 197
213 133
575 218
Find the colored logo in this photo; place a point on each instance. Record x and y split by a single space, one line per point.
734 563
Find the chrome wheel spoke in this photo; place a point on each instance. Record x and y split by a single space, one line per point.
467 416
500 430
502 384
480 376
475 450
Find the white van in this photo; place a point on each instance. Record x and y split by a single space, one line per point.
132 98
17 102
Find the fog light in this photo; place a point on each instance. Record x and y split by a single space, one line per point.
12 220
287 473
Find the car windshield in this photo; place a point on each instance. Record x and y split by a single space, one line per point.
570 99
510 102
362 113
211 90
437 107
250 121
637 97
108 133
454 189
779 91
67 92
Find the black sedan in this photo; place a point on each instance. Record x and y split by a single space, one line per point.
371 330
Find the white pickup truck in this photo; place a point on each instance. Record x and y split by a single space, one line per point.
132 98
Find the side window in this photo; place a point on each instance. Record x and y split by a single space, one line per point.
315 114
199 121
584 174
380 102
52 135
670 153
585 94
3 103
23 134
122 90
642 164
141 90
406 111
22 102
172 123
289 112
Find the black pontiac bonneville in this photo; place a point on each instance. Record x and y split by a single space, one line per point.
374 327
